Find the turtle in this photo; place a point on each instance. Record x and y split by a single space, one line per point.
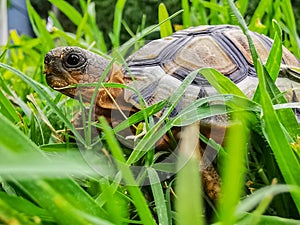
157 69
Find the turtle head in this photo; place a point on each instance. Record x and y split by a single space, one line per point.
66 66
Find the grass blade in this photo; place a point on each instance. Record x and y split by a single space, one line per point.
23 206
254 199
117 22
68 10
234 169
96 32
8 109
186 16
159 199
166 26
133 188
188 202
200 9
260 11
200 109
274 59
148 30
220 82
242 6
83 24
270 220
139 116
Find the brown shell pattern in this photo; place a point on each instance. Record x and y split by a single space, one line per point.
160 66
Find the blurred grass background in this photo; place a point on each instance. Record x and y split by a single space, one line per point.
149 8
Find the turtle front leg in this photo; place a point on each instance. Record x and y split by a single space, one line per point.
211 182
190 147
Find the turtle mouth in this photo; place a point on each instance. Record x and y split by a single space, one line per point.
56 82
60 85
62 82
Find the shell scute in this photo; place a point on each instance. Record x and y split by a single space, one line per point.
204 51
166 62
241 42
151 51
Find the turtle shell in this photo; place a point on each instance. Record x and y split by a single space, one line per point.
160 66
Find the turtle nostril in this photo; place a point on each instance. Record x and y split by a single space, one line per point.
47 59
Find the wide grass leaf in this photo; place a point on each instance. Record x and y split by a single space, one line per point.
260 13
20 207
62 198
9 215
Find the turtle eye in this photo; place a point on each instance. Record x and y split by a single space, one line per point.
74 60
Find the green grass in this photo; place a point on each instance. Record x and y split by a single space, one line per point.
46 178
